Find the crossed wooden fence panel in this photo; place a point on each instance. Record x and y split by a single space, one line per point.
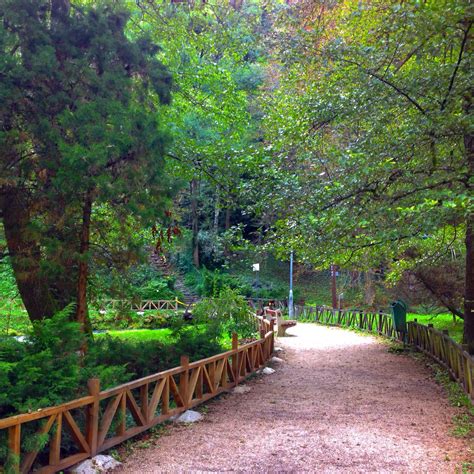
106 418
142 305
376 322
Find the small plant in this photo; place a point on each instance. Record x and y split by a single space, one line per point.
227 313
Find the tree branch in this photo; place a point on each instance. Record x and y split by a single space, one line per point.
388 83
458 63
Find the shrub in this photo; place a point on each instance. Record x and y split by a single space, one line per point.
227 313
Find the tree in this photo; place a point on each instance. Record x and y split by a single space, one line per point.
371 127
213 52
79 135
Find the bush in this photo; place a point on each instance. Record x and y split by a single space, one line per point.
227 313
210 283
104 320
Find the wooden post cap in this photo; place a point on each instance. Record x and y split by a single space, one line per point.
93 385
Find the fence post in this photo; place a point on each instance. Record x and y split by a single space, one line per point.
92 426
235 357
272 329
14 446
184 381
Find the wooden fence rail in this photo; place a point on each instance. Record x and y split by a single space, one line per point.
432 342
142 305
374 322
446 351
103 419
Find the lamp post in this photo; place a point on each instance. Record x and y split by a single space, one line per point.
290 296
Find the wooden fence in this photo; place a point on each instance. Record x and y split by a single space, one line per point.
432 342
374 322
448 353
103 419
142 305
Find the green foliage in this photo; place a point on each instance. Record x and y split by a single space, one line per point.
47 369
8 288
228 313
162 289
365 128
44 370
210 283
87 131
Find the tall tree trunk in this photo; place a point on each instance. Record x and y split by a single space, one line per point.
469 152
217 210
82 315
195 221
469 292
369 288
469 289
25 255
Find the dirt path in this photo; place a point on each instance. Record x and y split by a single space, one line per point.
339 403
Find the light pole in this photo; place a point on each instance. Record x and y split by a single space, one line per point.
290 298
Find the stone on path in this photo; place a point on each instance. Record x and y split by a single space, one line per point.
189 416
242 389
276 360
268 371
99 463
278 349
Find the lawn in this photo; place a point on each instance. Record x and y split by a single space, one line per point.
441 322
140 335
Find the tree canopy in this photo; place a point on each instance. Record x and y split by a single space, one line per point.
341 130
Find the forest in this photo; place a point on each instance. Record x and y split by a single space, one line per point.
156 150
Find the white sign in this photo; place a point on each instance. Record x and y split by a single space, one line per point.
256 267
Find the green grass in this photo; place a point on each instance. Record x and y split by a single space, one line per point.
140 335
163 335
441 322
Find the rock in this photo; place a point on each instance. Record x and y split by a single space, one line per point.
189 416
276 360
268 371
242 389
278 349
99 463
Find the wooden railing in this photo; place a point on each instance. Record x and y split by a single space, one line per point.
103 419
142 305
432 342
447 352
374 322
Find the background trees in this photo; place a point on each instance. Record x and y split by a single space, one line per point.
372 130
341 130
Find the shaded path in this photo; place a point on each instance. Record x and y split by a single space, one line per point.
339 403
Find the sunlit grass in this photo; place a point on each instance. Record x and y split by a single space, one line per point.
443 321
141 335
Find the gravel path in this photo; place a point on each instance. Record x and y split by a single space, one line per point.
338 403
